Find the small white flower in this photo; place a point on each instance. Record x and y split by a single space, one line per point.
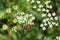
38 9
51 18
40 6
32 23
25 19
42 25
27 0
22 13
14 29
15 7
32 1
44 28
53 23
31 15
44 20
56 18
43 9
17 17
50 6
26 15
4 27
1 14
50 25
30 20
49 22
53 14
47 6
49 15
56 24
47 19
47 2
47 10
43 15
8 10
45 24
57 37
33 18
38 2
34 6
15 20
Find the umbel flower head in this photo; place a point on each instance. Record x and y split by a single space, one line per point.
23 18
17 16
48 18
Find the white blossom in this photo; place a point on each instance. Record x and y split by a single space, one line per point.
27 0
51 18
45 24
38 2
53 23
8 10
32 1
44 20
31 15
47 6
40 6
33 18
49 22
22 13
49 15
4 27
15 20
47 10
43 9
47 2
50 25
58 37
44 28
41 25
50 6
14 29
56 24
53 14
2 14
47 19
34 6
23 18
31 23
15 7
43 15
56 18
38 9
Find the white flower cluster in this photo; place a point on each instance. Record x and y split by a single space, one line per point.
23 18
14 29
9 10
58 37
39 6
48 18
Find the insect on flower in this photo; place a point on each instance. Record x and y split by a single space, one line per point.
29 27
